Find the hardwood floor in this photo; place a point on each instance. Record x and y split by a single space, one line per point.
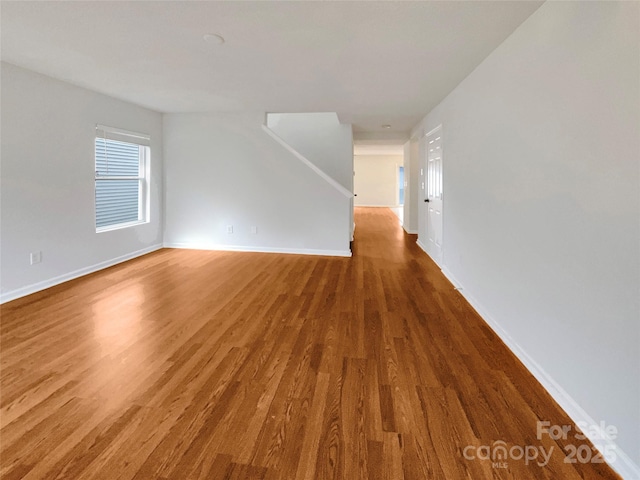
216 365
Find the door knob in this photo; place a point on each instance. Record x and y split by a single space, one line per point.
426 200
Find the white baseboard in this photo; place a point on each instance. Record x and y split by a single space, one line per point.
51 282
241 248
623 464
36 287
423 247
411 232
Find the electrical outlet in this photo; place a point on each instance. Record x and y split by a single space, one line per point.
229 228
35 257
254 229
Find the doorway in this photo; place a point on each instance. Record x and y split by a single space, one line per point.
379 177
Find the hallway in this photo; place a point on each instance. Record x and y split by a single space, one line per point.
187 364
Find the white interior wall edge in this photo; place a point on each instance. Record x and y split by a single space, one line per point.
412 192
409 173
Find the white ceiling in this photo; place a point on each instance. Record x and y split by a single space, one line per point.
374 63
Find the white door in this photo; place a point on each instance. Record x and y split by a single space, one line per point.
433 193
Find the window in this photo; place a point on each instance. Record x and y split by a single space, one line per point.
122 175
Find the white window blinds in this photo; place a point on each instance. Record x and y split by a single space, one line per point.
121 171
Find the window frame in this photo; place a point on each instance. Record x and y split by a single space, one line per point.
142 141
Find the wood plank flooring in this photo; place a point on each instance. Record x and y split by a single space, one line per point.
216 365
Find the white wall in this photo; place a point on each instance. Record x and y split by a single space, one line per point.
412 189
321 138
224 169
376 180
323 141
541 204
406 211
48 132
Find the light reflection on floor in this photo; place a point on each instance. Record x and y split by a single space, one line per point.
117 315
117 321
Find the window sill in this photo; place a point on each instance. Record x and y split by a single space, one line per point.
120 226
